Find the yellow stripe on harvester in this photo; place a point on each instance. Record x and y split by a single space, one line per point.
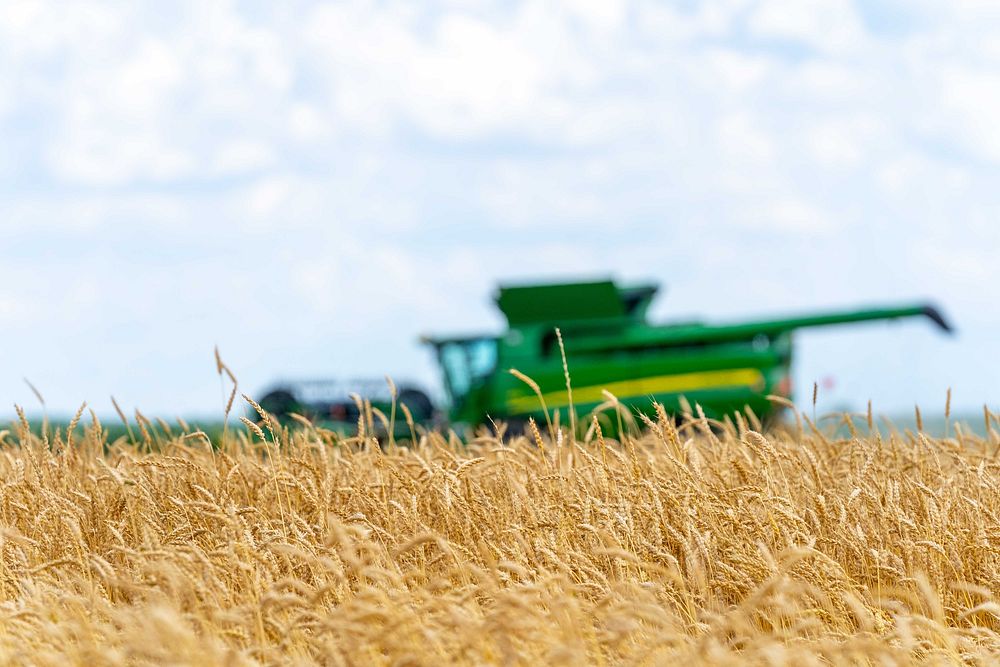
629 389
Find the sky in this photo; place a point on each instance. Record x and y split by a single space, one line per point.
311 186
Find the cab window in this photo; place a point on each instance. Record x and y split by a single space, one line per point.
456 369
467 362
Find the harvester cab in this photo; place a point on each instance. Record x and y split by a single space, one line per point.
613 350
467 364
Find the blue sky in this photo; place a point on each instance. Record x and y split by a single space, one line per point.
311 186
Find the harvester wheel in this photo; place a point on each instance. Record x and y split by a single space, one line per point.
515 427
419 404
279 403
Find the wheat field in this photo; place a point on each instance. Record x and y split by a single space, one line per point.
685 544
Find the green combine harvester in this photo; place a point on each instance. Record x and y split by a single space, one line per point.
610 347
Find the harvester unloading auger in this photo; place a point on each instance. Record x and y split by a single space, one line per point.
612 347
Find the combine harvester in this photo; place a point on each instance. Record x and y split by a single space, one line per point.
610 346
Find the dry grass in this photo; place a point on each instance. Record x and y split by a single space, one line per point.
704 546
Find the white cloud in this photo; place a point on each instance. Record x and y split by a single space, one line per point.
600 16
789 216
737 71
680 22
826 25
128 97
742 140
830 82
969 99
308 123
241 155
267 198
844 142
463 77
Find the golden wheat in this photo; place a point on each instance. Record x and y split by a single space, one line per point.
719 545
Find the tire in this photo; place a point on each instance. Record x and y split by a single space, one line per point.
419 404
279 403
517 427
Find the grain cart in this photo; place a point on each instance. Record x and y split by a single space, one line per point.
611 346
332 402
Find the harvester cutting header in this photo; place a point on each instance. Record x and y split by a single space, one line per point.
610 345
